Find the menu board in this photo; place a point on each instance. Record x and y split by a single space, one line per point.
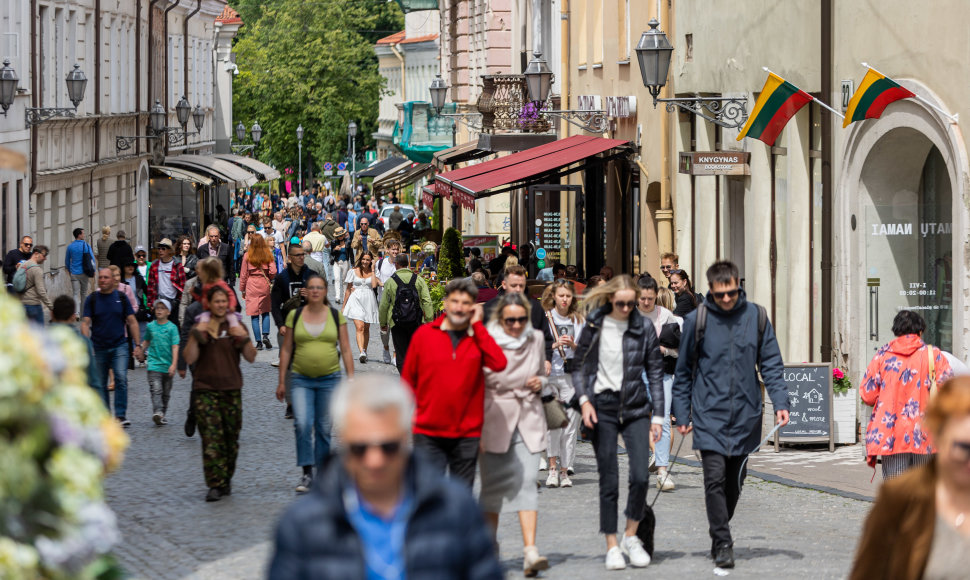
810 403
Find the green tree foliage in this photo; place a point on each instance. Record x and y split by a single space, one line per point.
310 62
451 263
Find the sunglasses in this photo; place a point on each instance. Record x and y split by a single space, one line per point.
730 293
629 304
517 320
666 267
388 448
26 245
303 255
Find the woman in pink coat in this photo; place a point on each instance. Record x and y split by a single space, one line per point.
255 281
514 426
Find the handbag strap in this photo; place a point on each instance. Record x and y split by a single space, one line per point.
932 364
555 333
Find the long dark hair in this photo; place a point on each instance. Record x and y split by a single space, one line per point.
682 274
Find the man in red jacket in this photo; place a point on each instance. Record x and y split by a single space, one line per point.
444 367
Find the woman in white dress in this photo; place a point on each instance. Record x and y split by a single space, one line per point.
360 300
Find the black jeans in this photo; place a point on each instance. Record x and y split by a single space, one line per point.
401 335
456 455
723 478
636 437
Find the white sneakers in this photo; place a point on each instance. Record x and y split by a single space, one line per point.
533 563
633 548
614 559
664 481
553 479
564 480
387 356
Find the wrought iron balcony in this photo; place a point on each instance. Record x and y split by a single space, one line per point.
505 107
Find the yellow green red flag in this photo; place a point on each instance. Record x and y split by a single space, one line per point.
873 95
778 102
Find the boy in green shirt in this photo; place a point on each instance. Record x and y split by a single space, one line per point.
161 343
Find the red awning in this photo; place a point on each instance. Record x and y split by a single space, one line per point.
469 183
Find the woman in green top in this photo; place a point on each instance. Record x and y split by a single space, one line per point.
312 347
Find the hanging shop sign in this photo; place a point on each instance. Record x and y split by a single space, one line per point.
715 163
621 107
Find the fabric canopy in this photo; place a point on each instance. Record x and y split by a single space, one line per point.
459 153
261 169
181 174
382 167
470 183
401 177
220 169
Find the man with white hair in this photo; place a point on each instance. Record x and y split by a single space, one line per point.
372 494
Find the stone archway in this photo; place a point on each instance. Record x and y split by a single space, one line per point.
895 174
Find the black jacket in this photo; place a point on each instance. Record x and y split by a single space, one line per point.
686 302
641 353
10 261
446 534
224 253
120 253
537 317
284 285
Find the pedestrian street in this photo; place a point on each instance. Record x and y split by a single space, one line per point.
169 532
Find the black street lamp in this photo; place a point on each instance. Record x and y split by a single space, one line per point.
182 111
76 83
198 117
439 93
256 132
352 133
240 131
299 144
538 78
156 117
8 85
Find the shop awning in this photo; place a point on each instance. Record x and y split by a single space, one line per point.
476 181
219 169
181 174
427 195
263 171
402 176
459 153
382 167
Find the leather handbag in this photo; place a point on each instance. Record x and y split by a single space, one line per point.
555 413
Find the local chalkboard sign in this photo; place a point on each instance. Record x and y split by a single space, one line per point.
810 404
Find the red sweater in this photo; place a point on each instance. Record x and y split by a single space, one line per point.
448 382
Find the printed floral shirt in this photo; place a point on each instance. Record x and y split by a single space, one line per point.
897 386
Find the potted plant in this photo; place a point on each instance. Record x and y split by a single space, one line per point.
843 407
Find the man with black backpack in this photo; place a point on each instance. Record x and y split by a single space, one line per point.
385 268
405 305
726 343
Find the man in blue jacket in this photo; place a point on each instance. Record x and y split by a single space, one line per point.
717 394
77 252
377 510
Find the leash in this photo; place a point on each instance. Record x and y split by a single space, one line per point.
673 461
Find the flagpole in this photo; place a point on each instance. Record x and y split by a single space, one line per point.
820 103
953 117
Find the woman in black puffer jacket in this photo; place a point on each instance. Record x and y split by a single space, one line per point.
615 350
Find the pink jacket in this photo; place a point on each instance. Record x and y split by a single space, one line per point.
509 404
897 385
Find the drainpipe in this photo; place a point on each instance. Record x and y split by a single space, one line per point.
34 102
185 56
97 109
826 86
137 68
151 53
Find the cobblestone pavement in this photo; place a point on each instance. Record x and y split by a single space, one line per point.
170 532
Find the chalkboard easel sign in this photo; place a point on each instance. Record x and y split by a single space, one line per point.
810 403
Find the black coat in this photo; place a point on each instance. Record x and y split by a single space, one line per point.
120 254
686 303
446 533
284 285
641 353
10 261
224 253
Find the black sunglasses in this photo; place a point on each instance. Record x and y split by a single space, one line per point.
28 245
517 320
666 267
388 448
628 304
730 293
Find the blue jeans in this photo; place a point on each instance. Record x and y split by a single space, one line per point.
35 312
236 258
662 449
115 359
328 267
311 416
255 322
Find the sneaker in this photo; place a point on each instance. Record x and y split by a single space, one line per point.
158 418
724 558
289 412
664 481
614 559
259 345
305 481
215 494
275 363
124 422
570 471
632 546
267 343
564 480
190 423
387 356
533 563
553 479
363 359
653 464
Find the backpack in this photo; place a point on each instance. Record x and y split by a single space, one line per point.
407 305
701 324
20 278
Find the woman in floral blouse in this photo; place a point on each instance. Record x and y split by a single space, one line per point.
898 385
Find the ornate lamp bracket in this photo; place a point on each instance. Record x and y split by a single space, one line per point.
35 116
592 121
728 112
124 143
242 148
466 119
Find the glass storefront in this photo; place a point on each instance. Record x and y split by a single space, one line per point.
174 209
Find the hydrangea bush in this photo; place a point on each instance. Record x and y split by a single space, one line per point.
57 442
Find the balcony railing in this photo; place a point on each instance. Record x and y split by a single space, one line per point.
502 104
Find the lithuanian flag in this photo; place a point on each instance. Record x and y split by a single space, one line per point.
778 102
872 97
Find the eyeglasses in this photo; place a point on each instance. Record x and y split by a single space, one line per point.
629 304
517 320
961 450
388 448
666 267
721 295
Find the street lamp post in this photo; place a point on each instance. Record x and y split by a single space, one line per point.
299 144
352 133
75 81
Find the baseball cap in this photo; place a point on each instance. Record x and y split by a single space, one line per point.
140 249
165 242
164 303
